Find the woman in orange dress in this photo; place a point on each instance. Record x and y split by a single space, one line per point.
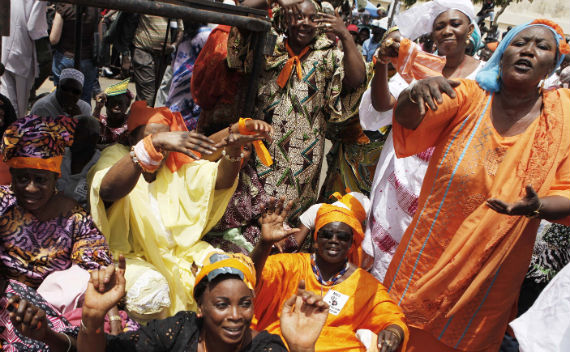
501 163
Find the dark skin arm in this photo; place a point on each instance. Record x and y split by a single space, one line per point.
428 92
354 68
31 321
550 208
388 340
382 99
272 231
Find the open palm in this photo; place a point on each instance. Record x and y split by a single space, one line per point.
272 221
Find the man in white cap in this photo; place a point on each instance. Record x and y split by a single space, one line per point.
65 99
371 44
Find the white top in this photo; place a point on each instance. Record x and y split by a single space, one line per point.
48 106
27 23
396 186
545 327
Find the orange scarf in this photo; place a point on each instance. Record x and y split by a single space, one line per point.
293 60
260 149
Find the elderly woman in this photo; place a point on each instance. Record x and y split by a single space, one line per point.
224 292
501 163
358 300
42 230
397 182
299 92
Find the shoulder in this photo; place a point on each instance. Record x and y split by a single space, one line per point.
84 107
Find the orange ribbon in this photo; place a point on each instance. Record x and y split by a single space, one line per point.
294 60
260 149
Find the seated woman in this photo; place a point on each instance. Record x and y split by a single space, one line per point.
155 200
224 292
116 99
357 299
43 231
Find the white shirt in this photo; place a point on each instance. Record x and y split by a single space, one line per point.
27 23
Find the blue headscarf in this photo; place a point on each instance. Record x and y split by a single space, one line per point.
489 76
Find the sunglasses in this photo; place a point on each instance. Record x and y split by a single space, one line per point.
329 235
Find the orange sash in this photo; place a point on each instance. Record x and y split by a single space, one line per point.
293 60
260 148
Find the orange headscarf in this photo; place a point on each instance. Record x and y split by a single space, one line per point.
141 114
218 263
330 213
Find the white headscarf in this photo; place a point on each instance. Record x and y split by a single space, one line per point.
418 20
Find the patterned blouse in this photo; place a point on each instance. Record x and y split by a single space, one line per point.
298 113
31 249
109 135
11 340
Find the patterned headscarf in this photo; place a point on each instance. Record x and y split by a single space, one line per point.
36 142
219 263
489 77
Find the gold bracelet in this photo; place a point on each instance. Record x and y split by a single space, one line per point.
114 318
233 159
536 213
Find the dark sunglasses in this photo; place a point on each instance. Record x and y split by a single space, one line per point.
329 235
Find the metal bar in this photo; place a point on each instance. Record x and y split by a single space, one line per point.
156 8
78 35
258 62
219 7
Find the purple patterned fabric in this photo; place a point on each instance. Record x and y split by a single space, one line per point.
31 249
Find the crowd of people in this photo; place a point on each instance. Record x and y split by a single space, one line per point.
160 219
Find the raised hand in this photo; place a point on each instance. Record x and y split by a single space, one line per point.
272 219
105 289
292 9
28 319
334 24
529 206
302 319
390 338
184 142
429 91
100 100
389 47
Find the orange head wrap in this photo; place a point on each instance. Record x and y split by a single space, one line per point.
330 213
141 114
218 263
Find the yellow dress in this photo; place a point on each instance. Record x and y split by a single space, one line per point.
161 224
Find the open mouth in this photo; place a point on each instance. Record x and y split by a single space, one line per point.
333 252
233 331
523 65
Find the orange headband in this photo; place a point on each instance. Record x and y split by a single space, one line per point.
563 47
25 162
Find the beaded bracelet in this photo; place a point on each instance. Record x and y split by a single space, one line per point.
233 159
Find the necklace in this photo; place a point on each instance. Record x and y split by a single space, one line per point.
333 280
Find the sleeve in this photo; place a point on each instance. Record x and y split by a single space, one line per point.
158 335
385 312
40 110
309 216
89 247
351 99
561 186
436 125
372 119
37 23
333 77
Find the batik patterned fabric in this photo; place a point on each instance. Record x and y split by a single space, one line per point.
11 340
32 249
38 137
298 113
551 252
238 230
180 97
